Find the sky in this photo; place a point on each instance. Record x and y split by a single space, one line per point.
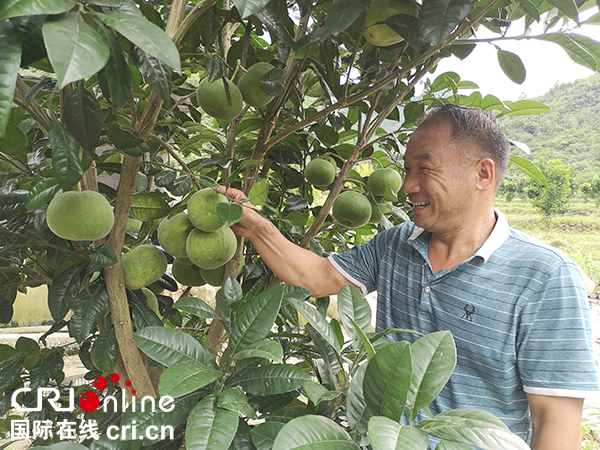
545 63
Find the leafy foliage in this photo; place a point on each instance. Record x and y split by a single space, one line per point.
106 101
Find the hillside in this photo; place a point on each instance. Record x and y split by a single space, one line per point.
570 131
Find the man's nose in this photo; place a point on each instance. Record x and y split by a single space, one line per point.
410 185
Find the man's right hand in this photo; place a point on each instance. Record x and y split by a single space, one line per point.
251 220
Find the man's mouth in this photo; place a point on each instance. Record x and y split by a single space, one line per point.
420 204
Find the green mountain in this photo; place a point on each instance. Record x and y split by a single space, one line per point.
570 131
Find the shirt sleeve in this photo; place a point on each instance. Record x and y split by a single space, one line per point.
360 264
555 346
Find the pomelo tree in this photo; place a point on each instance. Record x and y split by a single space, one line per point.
102 96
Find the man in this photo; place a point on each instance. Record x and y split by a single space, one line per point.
517 308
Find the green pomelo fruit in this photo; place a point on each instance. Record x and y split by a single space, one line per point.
382 179
211 250
80 216
376 30
352 209
249 85
172 234
187 275
212 98
202 209
142 266
214 277
134 225
320 172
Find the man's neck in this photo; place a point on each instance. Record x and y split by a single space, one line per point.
449 249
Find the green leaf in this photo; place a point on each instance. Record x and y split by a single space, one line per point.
119 137
197 307
438 18
568 7
473 427
183 378
342 13
388 379
115 78
148 206
169 346
357 412
62 292
530 9
449 445
433 360
145 35
104 443
84 118
313 432
65 156
210 427
272 379
276 27
104 256
105 350
234 399
524 108
230 293
363 338
512 66
12 203
89 307
580 49
16 8
318 322
314 391
10 60
529 169
387 434
32 41
149 417
255 321
247 8
259 192
331 358
143 316
261 349
11 372
353 305
14 142
75 49
407 26
41 193
155 72
229 213
264 434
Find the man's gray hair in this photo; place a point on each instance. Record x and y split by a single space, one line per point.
476 129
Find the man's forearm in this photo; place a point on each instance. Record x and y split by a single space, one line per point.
294 264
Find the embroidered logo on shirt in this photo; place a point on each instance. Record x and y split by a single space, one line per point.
469 311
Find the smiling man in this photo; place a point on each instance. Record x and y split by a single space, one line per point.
516 307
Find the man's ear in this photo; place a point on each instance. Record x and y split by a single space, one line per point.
486 174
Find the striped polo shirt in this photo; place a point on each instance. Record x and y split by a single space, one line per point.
517 309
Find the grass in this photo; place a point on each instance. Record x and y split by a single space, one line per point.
578 235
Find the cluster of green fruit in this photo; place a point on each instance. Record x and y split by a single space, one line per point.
377 32
212 97
198 240
353 209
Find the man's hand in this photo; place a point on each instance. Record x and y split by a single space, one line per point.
251 220
556 422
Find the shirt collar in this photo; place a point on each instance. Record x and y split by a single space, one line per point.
492 243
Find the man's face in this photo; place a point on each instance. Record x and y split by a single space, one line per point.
438 181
